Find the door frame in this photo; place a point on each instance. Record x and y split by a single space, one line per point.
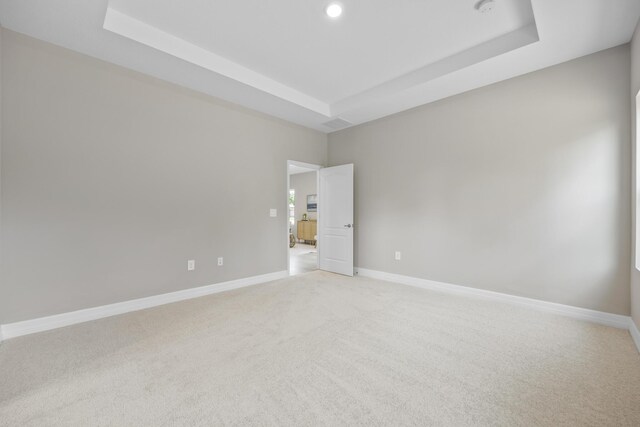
315 168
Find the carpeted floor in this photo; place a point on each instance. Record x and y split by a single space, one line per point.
320 349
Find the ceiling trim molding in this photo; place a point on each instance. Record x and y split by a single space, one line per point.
141 32
131 28
500 45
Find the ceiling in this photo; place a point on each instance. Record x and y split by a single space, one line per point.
286 58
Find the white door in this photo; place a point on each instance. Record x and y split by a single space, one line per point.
335 220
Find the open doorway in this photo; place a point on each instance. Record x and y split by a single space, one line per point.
302 217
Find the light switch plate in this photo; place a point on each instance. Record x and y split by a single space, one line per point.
273 213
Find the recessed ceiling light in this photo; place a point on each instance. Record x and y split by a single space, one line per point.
334 10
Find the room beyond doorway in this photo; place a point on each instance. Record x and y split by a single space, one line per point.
302 217
303 258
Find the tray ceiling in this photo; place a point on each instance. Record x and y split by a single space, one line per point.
288 59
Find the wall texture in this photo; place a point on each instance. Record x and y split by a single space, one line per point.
635 198
520 187
304 184
112 180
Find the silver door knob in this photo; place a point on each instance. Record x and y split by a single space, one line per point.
348 225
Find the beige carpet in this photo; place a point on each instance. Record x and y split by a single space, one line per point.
319 349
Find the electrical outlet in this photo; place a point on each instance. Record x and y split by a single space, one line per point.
191 265
273 213
398 255
220 261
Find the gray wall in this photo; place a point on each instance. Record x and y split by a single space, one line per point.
304 184
112 180
520 187
635 197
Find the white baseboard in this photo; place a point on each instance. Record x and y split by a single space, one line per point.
635 333
12 330
608 319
